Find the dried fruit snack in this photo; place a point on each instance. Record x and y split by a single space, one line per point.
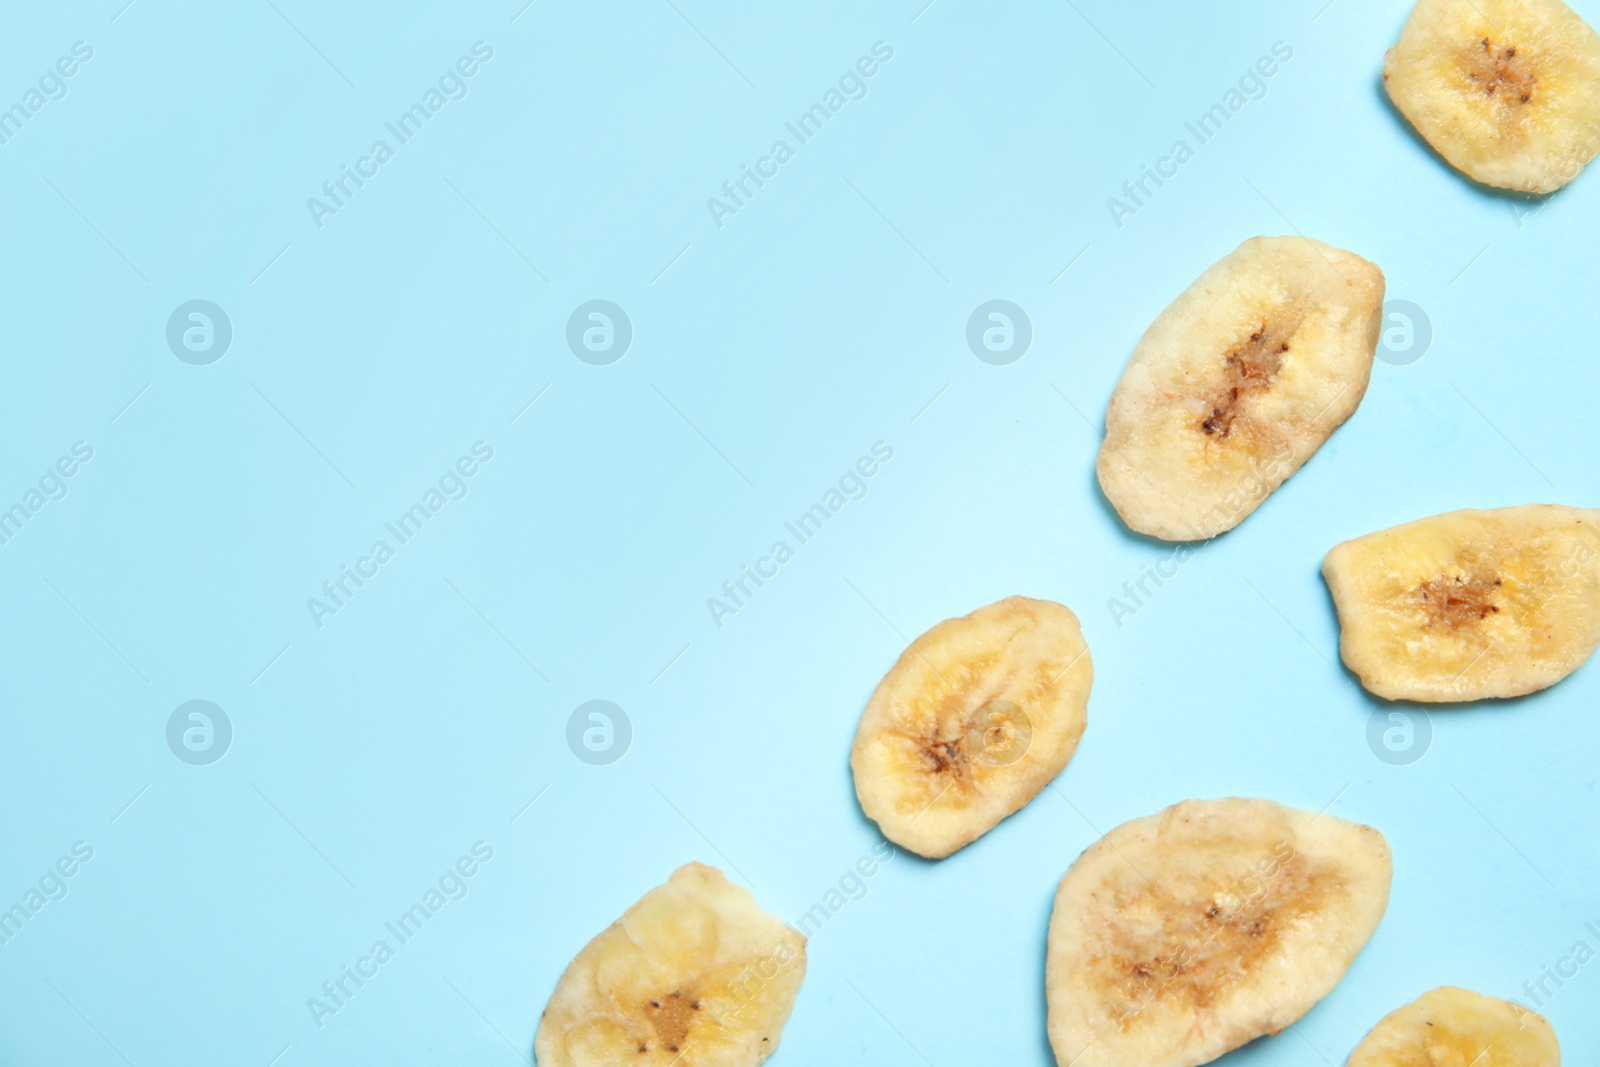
1471 604
1457 1026
694 974
1237 383
1507 91
976 717
1179 937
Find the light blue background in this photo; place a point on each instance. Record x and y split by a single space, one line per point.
771 353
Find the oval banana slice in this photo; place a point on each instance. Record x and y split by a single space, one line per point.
1469 605
1181 936
1237 383
1507 91
695 974
976 717
1457 1026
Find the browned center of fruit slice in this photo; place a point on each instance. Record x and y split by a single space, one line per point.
1249 368
1183 935
670 1016
1500 72
976 717
1237 383
1469 605
1507 91
1454 602
693 975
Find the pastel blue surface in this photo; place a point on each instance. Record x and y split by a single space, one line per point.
374 746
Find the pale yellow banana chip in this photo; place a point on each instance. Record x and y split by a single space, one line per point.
1237 383
1507 91
695 974
1452 1027
978 715
1181 936
1469 605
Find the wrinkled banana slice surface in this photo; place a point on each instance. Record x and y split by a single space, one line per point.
976 717
695 974
1237 383
1452 1027
1178 937
1471 604
1507 91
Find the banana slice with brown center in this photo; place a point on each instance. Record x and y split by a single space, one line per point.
694 975
1451 1027
1469 605
976 717
1181 936
1238 383
1507 91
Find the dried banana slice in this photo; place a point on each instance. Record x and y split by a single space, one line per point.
1178 937
1237 383
1507 91
695 974
1452 1027
978 715
1469 605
